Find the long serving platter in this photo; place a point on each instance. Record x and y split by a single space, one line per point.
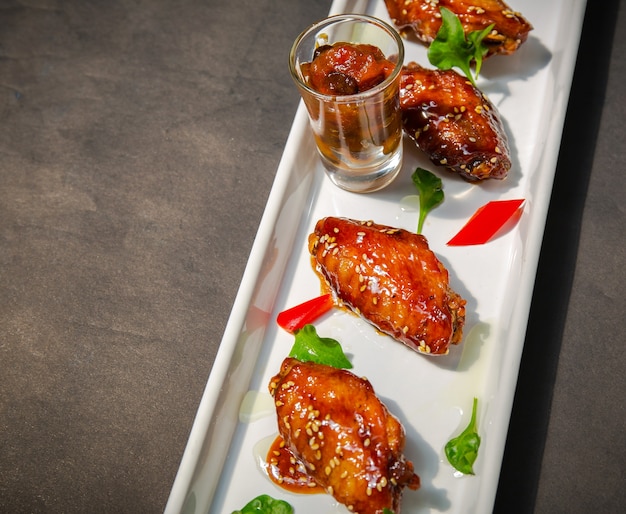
221 468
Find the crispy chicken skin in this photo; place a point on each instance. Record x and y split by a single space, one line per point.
351 445
423 17
453 123
391 278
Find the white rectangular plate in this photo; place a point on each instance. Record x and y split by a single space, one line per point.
432 397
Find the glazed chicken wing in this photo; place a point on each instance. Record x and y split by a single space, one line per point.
391 278
453 123
350 444
424 18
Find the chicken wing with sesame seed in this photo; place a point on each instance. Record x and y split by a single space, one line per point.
454 123
391 278
423 17
350 444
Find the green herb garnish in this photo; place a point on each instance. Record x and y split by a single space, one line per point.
452 47
430 192
310 347
265 504
463 450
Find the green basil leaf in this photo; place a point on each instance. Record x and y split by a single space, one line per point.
310 347
430 192
265 504
462 451
451 48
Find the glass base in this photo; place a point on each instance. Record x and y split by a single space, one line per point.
364 180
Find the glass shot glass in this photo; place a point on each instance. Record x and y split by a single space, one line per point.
358 134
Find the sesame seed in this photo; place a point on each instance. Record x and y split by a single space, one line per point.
368 491
336 230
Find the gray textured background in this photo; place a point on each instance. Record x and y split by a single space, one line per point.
138 143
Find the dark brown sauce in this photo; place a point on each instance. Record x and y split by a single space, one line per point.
347 68
287 472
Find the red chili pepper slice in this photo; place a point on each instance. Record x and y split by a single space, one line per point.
486 222
296 317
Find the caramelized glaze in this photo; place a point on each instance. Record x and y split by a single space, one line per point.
454 123
346 439
423 18
391 278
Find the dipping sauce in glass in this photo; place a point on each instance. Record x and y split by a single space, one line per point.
348 71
